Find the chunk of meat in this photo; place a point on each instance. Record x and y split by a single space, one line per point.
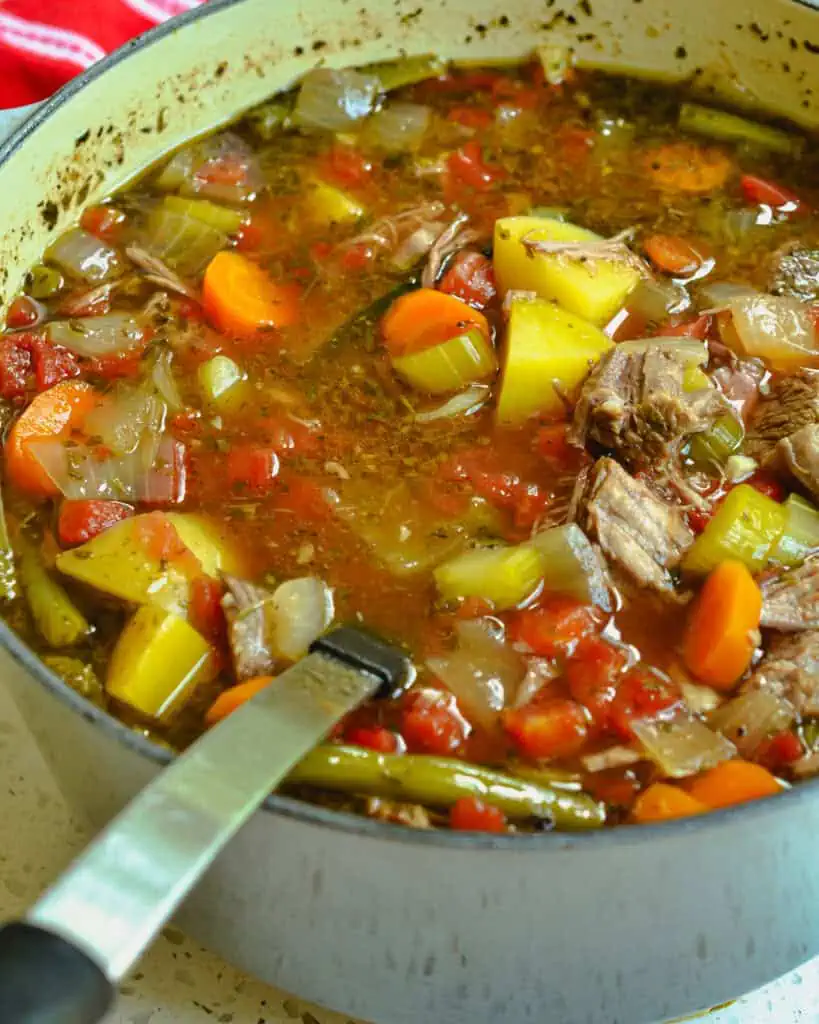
790 669
247 610
635 403
791 403
799 453
790 600
794 271
641 534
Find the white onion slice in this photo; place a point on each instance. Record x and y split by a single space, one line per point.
773 327
94 336
655 299
482 672
123 417
334 99
164 382
717 295
751 718
464 404
187 172
84 256
301 611
398 127
682 745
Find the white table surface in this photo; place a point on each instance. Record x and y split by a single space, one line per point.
180 983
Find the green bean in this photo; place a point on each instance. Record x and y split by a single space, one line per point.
59 622
717 124
437 782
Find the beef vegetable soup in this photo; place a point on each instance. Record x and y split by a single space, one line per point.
515 367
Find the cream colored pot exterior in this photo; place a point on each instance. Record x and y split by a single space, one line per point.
382 923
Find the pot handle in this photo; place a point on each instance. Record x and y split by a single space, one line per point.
10 119
44 979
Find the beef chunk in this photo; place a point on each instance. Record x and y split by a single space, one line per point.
790 601
641 534
635 403
247 610
791 403
790 669
800 454
794 271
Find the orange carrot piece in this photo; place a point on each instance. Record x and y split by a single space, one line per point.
662 802
688 167
672 255
721 633
732 782
240 299
230 699
427 317
52 414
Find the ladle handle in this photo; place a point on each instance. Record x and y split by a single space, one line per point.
44 979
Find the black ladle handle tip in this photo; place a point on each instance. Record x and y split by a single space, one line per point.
44 979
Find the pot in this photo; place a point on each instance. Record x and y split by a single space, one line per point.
388 924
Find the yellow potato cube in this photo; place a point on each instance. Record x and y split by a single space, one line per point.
326 204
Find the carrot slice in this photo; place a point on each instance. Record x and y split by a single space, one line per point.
672 255
732 782
661 802
721 633
427 317
687 167
229 700
240 299
52 414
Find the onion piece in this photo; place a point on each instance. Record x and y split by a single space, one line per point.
94 336
613 757
718 295
83 256
220 167
334 99
482 672
398 127
571 565
773 327
751 718
682 745
77 472
693 351
418 244
467 403
539 672
123 418
301 610
655 299
164 382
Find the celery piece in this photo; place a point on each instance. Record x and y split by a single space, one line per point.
393 74
222 218
184 241
450 366
746 526
572 566
157 663
801 534
220 379
267 120
43 281
503 575
57 619
714 445
695 379
717 124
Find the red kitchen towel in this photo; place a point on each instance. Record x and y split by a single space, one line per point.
44 43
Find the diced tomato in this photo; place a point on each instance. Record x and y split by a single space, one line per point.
188 422
615 787
470 117
768 193
167 482
223 170
780 750
552 444
696 327
484 471
15 366
52 363
122 366
358 257
346 166
469 814
766 483
466 166
641 693
373 737
158 537
252 468
592 674
553 728
698 518
81 520
104 221
553 628
206 612
22 312
248 237
471 278
430 724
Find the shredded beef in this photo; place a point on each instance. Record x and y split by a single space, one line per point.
246 607
635 403
641 534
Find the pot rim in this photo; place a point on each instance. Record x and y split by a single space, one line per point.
289 807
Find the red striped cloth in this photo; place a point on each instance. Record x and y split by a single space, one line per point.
44 43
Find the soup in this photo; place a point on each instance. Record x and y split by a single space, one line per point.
513 367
